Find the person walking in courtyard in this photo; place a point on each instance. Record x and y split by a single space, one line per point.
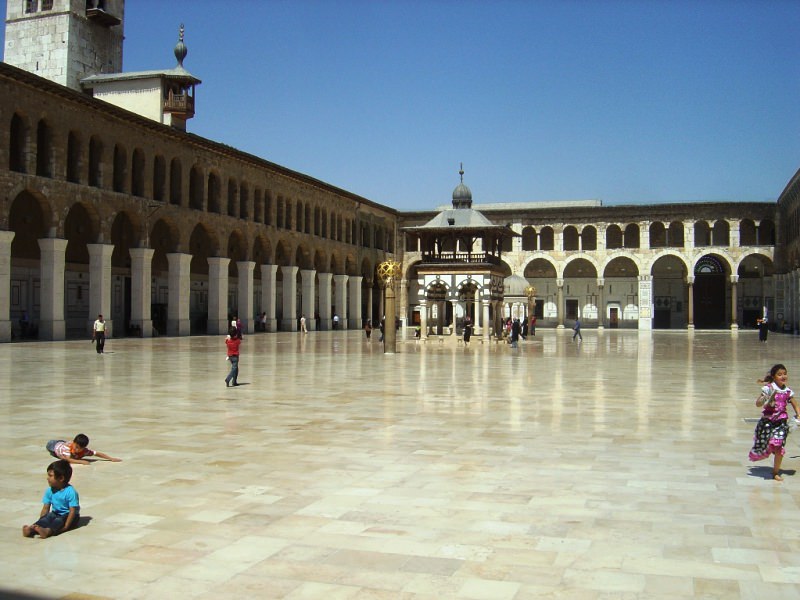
533 325
368 329
60 504
772 428
515 331
233 341
467 330
763 328
577 329
303 324
99 333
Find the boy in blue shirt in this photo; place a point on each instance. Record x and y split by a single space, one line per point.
61 507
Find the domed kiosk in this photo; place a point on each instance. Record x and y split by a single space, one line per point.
459 271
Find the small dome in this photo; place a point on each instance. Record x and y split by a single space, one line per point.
180 48
514 285
462 197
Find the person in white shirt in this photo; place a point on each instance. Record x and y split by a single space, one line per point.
99 333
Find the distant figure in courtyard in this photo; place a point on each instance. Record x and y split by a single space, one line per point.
382 327
60 504
335 321
99 333
75 451
763 328
303 324
773 427
232 342
577 329
467 330
524 332
516 328
368 329
239 328
533 325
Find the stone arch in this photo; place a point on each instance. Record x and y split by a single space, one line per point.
303 257
721 233
547 238
702 234
541 267
337 264
137 172
668 272
581 266
630 238
233 198
351 265
262 252
244 201
74 157
164 239
236 251
196 188
96 149
124 237
159 178
529 239
589 238
175 182
214 193
120 169
666 253
202 245
748 235
754 270
711 273
81 227
283 254
620 265
675 235
321 262
658 235
766 232
29 217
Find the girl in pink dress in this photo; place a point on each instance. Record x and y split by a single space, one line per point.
772 428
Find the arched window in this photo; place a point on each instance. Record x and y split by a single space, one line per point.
721 234
232 198
658 235
44 150
159 178
631 237
95 162
547 239
702 234
175 182
766 233
589 238
747 233
675 235
528 238
137 173
570 239
120 168
613 237
258 206
196 188
73 158
213 194
18 145
244 202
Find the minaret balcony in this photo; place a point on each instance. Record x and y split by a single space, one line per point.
101 17
180 103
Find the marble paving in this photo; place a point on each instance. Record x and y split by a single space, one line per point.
615 468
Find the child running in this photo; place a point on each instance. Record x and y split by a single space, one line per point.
60 504
772 428
75 450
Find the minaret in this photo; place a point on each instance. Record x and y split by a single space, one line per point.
65 40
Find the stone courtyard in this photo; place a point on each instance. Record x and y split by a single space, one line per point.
612 468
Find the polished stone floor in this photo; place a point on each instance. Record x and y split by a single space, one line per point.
612 468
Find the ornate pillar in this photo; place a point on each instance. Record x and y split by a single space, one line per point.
340 300
100 286
487 331
51 293
423 318
690 303
325 316
218 322
6 237
645 302
601 303
245 292
308 296
403 311
289 318
560 308
269 294
354 315
178 294
141 292
389 272
734 304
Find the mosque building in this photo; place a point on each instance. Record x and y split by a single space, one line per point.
109 206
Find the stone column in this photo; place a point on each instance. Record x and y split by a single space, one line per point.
601 304
403 311
690 303
178 291
100 286
645 302
560 309
245 292
218 322
355 316
6 237
269 294
688 239
289 319
141 292
370 316
734 306
389 331
309 293
454 304
340 300
51 292
325 296
485 320
423 319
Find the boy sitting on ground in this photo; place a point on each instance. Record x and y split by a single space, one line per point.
60 504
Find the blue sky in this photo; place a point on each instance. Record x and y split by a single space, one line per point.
628 102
